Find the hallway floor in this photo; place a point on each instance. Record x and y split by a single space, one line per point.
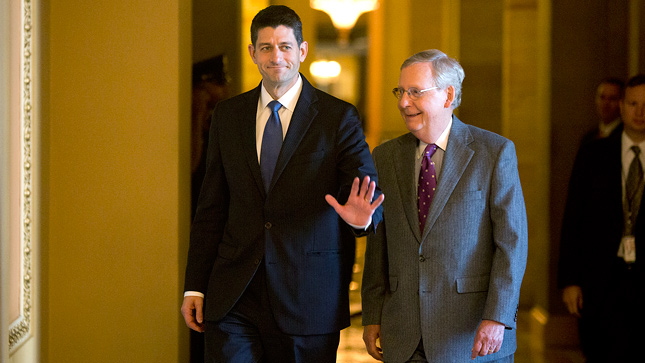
352 349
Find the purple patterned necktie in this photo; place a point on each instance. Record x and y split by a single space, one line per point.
427 184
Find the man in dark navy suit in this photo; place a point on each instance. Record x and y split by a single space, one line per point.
601 248
272 243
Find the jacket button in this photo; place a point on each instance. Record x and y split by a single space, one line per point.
267 225
421 258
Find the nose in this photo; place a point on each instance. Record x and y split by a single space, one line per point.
276 55
405 100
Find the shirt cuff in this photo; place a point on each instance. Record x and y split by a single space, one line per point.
193 293
364 228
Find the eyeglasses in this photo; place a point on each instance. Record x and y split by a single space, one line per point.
412 92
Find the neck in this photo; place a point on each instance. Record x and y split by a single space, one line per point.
636 137
277 90
431 134
427 137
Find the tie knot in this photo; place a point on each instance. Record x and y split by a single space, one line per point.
430 150
636 150
274 106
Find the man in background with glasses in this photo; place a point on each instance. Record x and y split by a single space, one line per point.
443 273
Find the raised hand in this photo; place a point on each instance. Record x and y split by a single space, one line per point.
359 207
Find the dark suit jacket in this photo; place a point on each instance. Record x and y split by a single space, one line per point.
468 263
593 223
307 249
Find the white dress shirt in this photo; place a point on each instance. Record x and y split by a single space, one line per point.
288 102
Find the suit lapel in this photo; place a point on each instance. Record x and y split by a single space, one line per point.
455 161
611 159
613 162
407 181
304 114
248 115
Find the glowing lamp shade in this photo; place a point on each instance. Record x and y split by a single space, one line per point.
324 70
344 13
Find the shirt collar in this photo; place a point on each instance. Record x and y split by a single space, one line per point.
627 143
442 141
288 100
606 129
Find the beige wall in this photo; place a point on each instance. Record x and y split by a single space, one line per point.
117 186
525 120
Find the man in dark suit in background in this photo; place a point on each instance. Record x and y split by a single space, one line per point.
607 101
600 271
270 261
443 272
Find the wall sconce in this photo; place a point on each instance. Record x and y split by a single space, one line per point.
344 13
324 71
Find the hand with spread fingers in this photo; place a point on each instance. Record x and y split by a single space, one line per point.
359 207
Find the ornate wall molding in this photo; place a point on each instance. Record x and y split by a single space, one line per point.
20 329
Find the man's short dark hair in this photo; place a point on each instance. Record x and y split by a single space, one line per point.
637 80
615 81
274 16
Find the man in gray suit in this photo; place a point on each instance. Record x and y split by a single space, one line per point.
443 270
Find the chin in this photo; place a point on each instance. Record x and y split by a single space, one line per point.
413 126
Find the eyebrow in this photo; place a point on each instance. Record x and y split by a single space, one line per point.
279 44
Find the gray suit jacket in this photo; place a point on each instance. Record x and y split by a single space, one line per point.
468 263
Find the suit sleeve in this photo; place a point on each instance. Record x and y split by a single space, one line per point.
354 160
210 217
569 266
510 238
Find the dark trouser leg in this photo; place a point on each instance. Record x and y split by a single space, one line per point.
419 355
249 334
301 349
